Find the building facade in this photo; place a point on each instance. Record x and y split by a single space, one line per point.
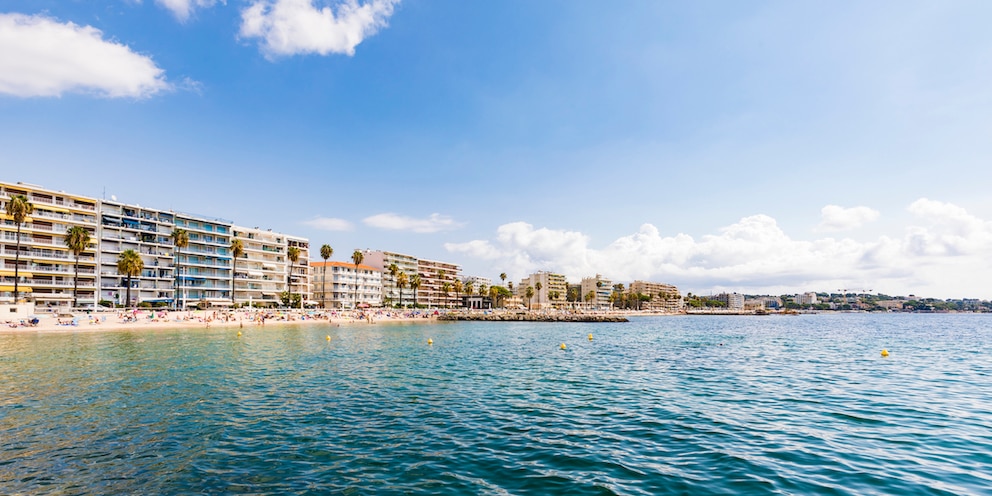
552 293
436 283
299 272
405 264
205 266
148 232
594 292
663 297
260 272
45 266
338 285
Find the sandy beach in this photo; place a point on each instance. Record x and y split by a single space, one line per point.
149 319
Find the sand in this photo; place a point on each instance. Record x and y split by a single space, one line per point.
147 319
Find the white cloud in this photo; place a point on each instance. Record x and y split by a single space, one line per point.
394 222
291 27
328 224
945 256
182 9
40 56
836 218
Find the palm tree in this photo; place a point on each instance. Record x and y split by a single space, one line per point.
129 264
401 283
293 254
502 277
393 271
180 239
237 249
589 296
358 257
510 285
77 240
440 277
19 208
457 286
325 252
482 290
414 284
529 292
446 290
538 286
468 288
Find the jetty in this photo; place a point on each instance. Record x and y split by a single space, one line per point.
530 317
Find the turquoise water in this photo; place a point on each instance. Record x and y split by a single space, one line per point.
672 405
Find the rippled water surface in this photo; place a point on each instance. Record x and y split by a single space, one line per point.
673 405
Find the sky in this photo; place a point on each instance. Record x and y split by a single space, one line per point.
766 147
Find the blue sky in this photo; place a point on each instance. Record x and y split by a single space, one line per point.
761 147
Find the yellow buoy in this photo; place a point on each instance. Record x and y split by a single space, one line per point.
328 338
430 341
562 346
590 337
239 334
885 353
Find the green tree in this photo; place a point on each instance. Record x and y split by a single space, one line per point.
293 254
325 252
529 293
457 286
401 281
77 240
414 284
129 265
589 296
537 288
468 288
180 239
358 257
237 249
18 208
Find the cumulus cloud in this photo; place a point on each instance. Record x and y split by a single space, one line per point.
292 27
40 56
837 218
395 222
328 224
182 9
943 251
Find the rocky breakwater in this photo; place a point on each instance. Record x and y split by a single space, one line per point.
531 317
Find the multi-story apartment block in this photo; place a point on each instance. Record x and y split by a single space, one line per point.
734 301
205 265
663 297
434 275
406 264
148 232
299 272
595 292
806 299
260 272
45 264
552 293
339 285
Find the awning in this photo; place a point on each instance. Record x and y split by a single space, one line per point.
23 289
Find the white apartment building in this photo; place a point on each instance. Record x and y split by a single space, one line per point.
594 292
406 264
148 232
806 299
552 293
339 285
205 265
664 297
734 301
299 272
260 272
45 266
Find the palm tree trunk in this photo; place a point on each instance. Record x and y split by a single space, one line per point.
323 287
75 284
127 296
17 264
234 268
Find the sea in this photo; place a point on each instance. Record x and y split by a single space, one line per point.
800 404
